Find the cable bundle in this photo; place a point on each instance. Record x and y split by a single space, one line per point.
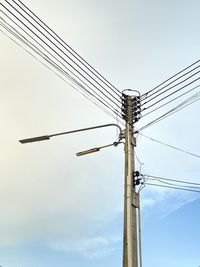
24 27
164 91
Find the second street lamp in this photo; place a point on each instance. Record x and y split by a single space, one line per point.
95 149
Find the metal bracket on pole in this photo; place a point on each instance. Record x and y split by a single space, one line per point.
135 200
134 141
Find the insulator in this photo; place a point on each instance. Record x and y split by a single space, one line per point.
136 98
136 174
124 116
137 105
136 101
136 113
137 182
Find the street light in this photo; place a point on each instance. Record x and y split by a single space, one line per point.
47 137
130 250
34 139
95 149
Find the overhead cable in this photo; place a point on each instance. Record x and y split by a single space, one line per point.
160 89
174 183
63 72
170 146
153 104
172 111
174 180
145 94
51 40
173 187
84 85
74 68
196 185
169 101
66 46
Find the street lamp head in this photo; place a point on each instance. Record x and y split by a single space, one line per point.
34 139
85 152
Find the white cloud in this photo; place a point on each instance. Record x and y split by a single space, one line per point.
148 202
93 248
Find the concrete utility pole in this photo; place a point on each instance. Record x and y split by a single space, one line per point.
130 111
130 251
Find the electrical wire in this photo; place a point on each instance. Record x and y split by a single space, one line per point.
93 95
57 47
67 47
41 39
47 59
173 85
145 94
172 111
98 97
173 187
158 101
170 146
173 180
61 70
170 101
173 184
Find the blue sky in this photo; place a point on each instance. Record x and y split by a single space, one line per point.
60 210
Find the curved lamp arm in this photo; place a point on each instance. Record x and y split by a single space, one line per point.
47 137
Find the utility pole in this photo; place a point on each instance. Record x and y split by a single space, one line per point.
130 251
130 110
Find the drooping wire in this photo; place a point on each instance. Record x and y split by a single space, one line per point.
60 56
173 180
173 187
170 146
173 76
173 184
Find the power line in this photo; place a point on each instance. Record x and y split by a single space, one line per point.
169 101
170 146
173 187
172 83
63 72
66 46
75 69
54 43
145 94
172 92
102 102
173 180
173 184
45 57
172 111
